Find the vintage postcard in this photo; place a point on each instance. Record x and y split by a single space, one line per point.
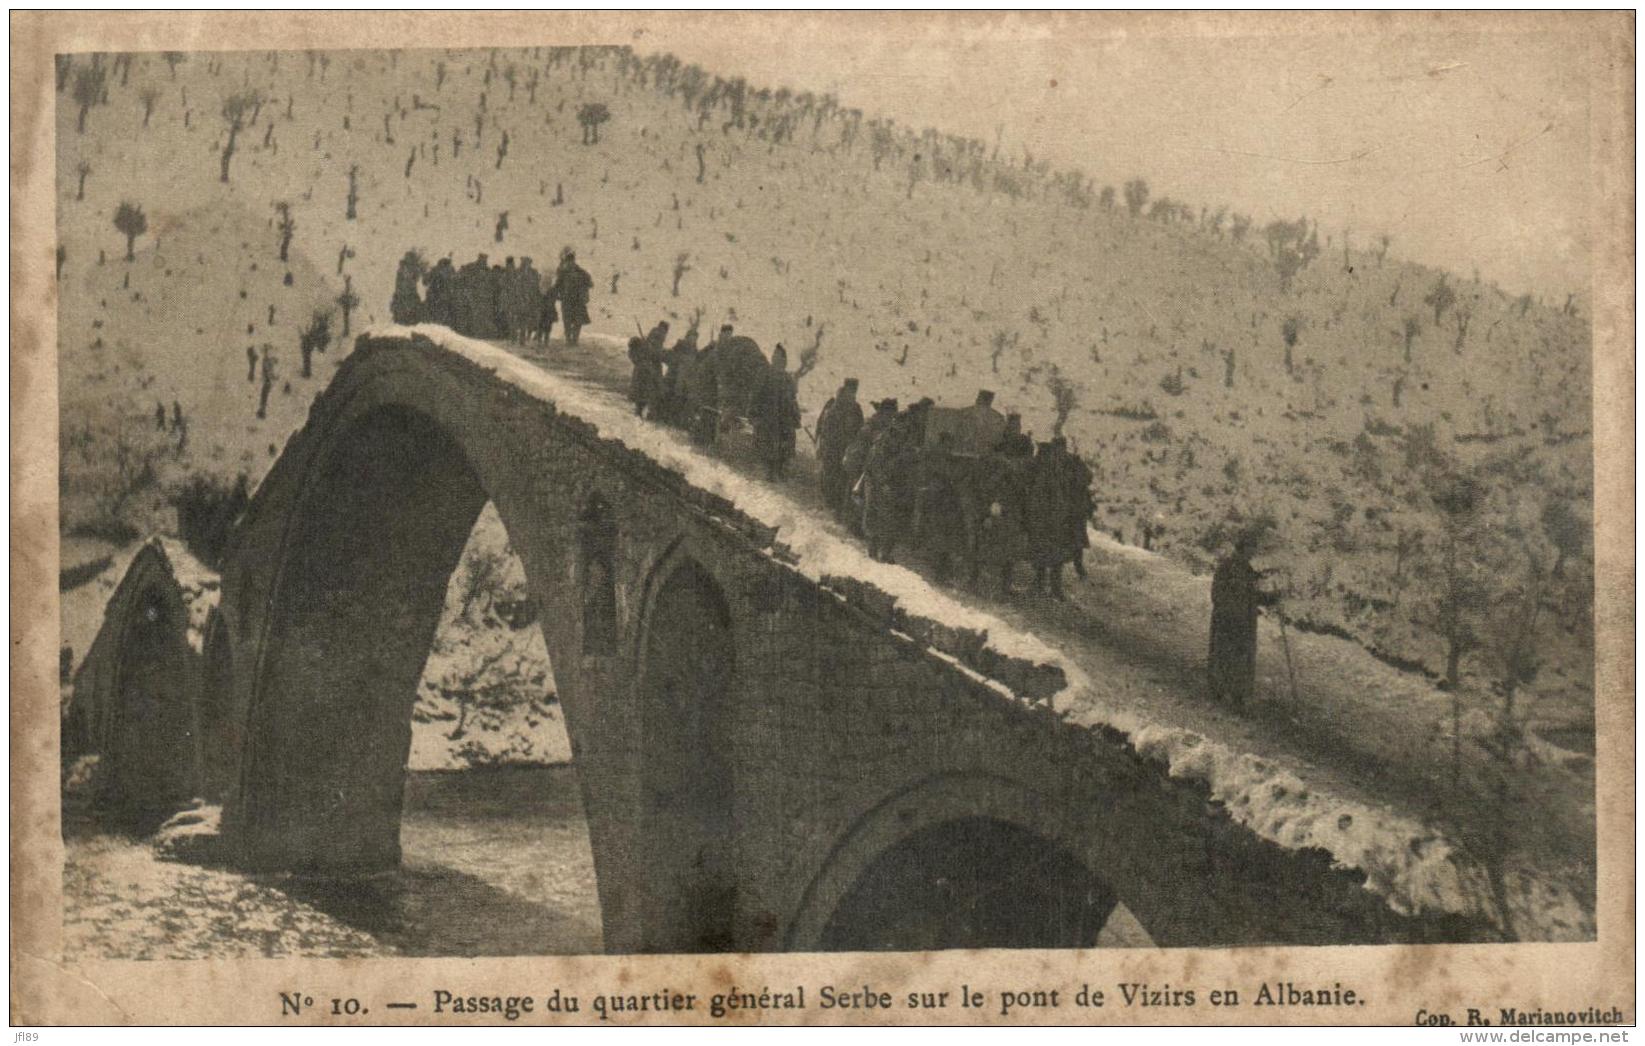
806 518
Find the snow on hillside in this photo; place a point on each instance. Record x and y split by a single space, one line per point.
1198 383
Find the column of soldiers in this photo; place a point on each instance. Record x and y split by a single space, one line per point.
483 300
706 391
878 473
898 477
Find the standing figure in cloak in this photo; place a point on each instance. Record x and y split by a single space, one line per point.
439 303
679 361
837 426
646 385
1235 599
406 307
775 414
573 284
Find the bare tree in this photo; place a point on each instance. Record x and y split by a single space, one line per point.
235 110
347 301
316 336
1464 315
1064 398
1442 297
287 226
681 267
1566 531
82 169
591 115
1460 500
353 191
1289 332
89 82
148 96
131 221
173 60
1001 342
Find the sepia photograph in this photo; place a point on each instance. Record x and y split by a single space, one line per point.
804 484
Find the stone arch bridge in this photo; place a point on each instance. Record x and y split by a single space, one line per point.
772 756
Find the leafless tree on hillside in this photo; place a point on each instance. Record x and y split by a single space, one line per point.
89 81
287 227
315 337
82 169
1464 316
1461 595
1289 331
591 115
1064 398
1566 531
681 267
148 96
236 107
1001 342
132 223
1442 297
347 302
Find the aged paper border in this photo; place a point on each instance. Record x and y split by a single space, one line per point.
1397 981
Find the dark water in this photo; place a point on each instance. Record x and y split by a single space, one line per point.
496 862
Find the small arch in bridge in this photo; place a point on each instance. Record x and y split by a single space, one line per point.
151 743
971 882
597 575
688 664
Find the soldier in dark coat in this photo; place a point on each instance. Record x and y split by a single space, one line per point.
678 363
547 314
979 425
475 301
856 456
646 354
573 285
776 415
917 416
1236 597
1046 509
889 482
702 392
442 281
837 426
406 306
497 316
1015 443
522 307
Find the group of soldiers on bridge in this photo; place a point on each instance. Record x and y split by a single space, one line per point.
964 486
483 300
